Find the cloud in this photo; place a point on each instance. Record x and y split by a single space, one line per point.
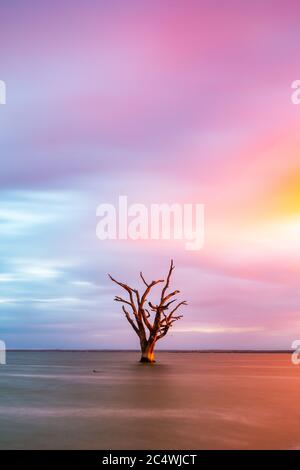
39 273
4 300
25 300
218 329
7 277
21 212
143 115
83 284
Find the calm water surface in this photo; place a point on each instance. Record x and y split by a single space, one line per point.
54 400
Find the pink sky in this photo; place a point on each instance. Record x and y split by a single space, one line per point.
165 102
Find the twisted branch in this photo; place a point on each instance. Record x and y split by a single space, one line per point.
163 321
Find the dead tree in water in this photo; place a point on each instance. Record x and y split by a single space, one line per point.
154 322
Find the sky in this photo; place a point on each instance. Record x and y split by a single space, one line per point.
164 102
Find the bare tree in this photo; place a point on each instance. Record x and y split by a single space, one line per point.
154 322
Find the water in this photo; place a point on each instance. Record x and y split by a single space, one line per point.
53 400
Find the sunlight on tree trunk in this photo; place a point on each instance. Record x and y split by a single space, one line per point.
153 323
148 352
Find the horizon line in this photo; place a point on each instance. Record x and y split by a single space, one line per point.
158 351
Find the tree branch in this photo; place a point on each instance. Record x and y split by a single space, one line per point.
170 295
184 302
152 284
172 267
131 321
130 291
143 279
146 321
119 299
163 320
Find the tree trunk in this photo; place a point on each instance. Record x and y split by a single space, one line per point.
148 352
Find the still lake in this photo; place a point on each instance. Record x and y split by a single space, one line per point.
54 400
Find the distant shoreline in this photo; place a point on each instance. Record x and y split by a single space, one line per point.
185 351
